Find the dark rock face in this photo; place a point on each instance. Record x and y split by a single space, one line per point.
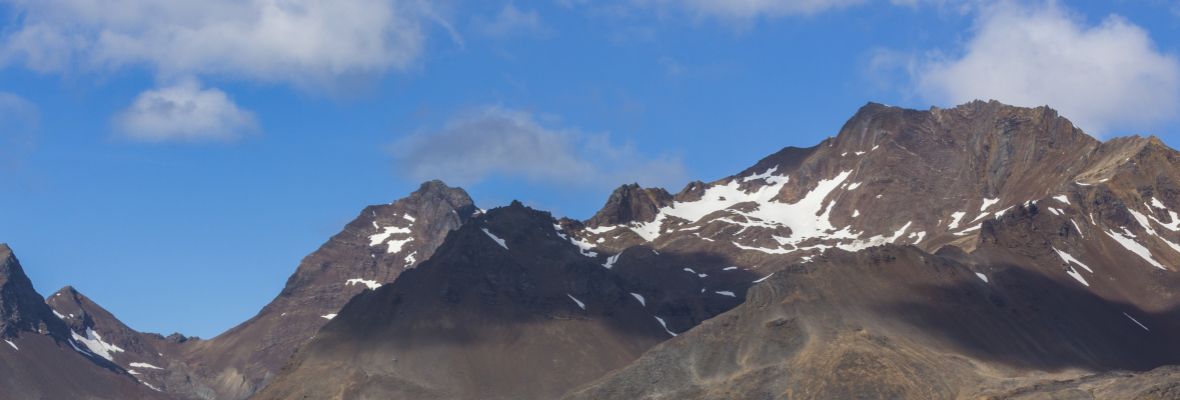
894 322
374 249
40 359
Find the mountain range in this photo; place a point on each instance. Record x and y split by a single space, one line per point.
980 251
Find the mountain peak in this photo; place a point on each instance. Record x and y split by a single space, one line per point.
21 308
631 203
438 188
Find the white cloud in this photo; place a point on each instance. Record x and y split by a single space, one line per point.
184 112
747 9
508 143
309 43
1105 76
510 21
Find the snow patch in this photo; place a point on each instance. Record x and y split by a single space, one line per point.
729 268
1157 204
1126 239
855 213
803 217
328 316
59 316
764 278
981 277
143 365
580 303
988 203
661 321
1079 229
381 237
955 218
1069 268
639 297
495 238
12 344
97 346
358 281
150 386
968 230
610 261
583 246
1062 198
408 217
726 293
853 186
768 175
762 249
1136 322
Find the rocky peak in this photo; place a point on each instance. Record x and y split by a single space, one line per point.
436 190
631 203
383 241
21 308
81 313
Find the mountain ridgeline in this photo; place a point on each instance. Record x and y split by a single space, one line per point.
981 251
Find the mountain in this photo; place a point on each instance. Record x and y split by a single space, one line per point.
1054 267
372 250
980 251
151 358
40 358
507 308
918 254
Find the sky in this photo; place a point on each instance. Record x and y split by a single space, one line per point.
174 160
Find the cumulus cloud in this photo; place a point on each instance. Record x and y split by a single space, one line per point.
510 21
747 9
309 43
499 142
184 112
1104 76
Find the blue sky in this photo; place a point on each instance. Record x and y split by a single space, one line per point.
175 160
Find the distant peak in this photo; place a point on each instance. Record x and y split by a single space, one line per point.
67 290
631 203
434 186
435 190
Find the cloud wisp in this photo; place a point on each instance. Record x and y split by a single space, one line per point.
1103 77
749 9
498 142
19 121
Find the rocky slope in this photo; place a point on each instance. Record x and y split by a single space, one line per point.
507 308
372 250
40 358
1065 270
151 358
